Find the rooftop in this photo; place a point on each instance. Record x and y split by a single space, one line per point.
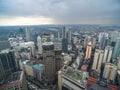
16 76
48 43
38 66
4 51
76 75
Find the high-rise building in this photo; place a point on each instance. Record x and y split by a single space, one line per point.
110 72
102 34
65 32
102 39
58 60
103 42
98 57
88 51
71 79
8 61
86 41
28 34
14 81
116 51
107 54
118 63
39 44
2 73
114 35
49 61
65 45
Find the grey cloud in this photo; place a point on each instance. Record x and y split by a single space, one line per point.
65 11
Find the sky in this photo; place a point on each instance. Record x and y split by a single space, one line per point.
36 12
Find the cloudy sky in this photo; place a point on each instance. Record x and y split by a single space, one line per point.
31 12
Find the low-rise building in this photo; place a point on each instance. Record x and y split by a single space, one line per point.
72 79
14 81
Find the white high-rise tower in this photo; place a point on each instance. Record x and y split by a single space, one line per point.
39 44
107 54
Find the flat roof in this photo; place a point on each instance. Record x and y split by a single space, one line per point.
38 66
48 43
4 51
75 74
16 76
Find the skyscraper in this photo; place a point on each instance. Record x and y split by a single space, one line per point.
103 42
58 60
88 51
107 54
49 61
65 32
102 39
116 52
27 34
2 73
118 63
39 44
102 34
98 57
8 61
110 72
114 36
65 45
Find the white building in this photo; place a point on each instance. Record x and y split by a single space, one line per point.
30 45
107 54
98 57
39 44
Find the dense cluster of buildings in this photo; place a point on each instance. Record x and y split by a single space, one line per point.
65 62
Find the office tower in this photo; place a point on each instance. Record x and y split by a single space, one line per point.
110 72
71 79
2 73
101 35
103 42
107 54
58 59
66 33
88 51
39 44
64 45
118 63
8 61
93 42
14 81
98 57
4 44
102 39
49 61
27 34
86 41
58 44
114 35
116 51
